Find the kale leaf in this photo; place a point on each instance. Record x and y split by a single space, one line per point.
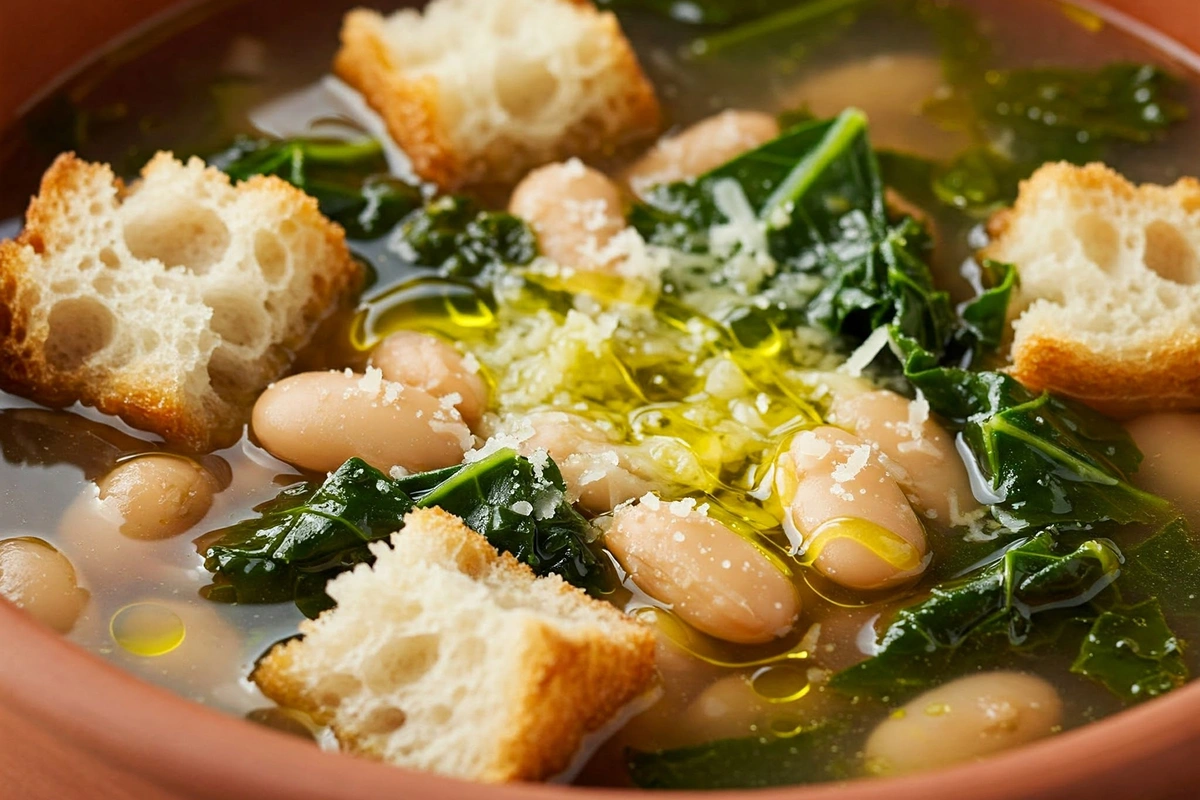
702 12
1133 652
455 236
990 610
309 534
1023 118
1166 564
812 198
1044 460
753 762
350 180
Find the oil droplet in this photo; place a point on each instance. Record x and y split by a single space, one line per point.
147 629
1089 21
780 683
937 709
437 305
787 726
899 713
892 548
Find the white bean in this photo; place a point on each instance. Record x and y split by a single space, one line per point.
891 89
713 579
921 455
435 366
854 520
317 420
1169 442
575 211
702 147
598 472
965 719
37 578
732 709
157 496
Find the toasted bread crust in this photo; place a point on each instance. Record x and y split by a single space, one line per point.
160 404
1166 377
1156 368
566 685
410 107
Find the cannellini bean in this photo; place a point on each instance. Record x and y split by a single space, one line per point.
731 708
853 518
963 720
575 211
1169 441
704 146
39 579
597 471
317 420
157 496
683 678
891 89
435 366
921 455
712 578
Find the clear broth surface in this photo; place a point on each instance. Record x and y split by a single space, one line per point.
233 68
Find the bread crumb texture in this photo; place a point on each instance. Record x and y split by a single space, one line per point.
1108 311
171 302
448 656
482 91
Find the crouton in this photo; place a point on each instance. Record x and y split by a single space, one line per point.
482 91
1108 311
171 302
447 656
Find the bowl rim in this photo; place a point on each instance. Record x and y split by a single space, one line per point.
72 693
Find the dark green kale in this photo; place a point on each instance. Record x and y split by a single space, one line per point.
521 508
461 240
815 196
802 26
1042 460
1166 564
309 534
305 536
702 12
1023 118
350 180
1132 651
808 756
982 615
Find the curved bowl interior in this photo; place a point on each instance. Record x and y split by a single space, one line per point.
74 727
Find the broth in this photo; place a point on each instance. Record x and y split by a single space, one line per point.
245 68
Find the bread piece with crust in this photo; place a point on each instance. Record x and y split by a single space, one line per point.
482 91
170 302
1108 310
447 656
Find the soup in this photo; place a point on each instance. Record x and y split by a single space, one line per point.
764 358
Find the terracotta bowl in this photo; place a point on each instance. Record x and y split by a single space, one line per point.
75 728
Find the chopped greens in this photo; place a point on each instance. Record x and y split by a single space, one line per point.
461 240
811 203
1042 460
309 534
350 180
807 756
1132 652
1023 118
1166 564
703 12
988 610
